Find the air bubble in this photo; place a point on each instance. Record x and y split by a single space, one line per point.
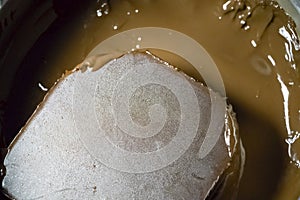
246 27
99 13
103 10
115 27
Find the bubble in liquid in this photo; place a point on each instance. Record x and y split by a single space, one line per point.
103 10
115 27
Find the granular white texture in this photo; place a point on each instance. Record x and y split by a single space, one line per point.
129 130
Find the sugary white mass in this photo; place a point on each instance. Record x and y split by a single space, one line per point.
129 130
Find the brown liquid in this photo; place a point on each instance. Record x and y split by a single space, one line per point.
245 50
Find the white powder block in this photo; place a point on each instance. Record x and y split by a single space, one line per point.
131 129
